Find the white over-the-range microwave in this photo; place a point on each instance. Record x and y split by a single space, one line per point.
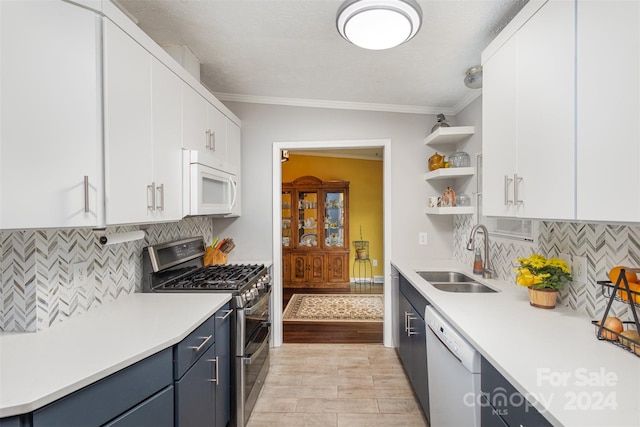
207 190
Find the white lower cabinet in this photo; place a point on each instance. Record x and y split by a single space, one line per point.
528 119
50 143
142 133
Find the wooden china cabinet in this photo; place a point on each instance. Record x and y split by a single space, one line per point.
315 233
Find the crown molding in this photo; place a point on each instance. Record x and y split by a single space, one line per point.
339 105
464 102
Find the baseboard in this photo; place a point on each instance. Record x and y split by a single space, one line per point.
378 279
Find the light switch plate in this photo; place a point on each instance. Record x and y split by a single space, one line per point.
422 238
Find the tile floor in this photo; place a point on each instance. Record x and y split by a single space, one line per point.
340 385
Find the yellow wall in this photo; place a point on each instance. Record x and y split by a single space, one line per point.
365 196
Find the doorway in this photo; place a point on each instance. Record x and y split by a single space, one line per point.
279 293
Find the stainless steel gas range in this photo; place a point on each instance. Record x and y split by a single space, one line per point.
178 267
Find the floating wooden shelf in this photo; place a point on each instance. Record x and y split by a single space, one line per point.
448 173
449 135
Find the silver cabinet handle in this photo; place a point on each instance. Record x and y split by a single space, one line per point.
516 180
206 340
507 180
213 140
207 140
152 188
86 193
406 321
410 330
160 190
214 380
227 314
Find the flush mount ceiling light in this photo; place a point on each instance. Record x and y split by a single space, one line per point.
378 24
473 79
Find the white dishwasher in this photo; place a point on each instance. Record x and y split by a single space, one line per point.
454 375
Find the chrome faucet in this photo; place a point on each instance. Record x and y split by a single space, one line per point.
487 271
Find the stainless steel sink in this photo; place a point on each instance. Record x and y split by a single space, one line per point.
445 276
451 281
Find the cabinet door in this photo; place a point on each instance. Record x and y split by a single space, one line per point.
334 203
217 147
50 138
608 176
404 340
128 137
299 268
196 393
167 152
195 135
317 268
546 112
223 320
286 268
499 130
419 360
234 140
337 268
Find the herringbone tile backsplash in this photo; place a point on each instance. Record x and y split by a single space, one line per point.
604 246
36 270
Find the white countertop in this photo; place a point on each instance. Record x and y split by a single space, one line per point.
38 368
550 356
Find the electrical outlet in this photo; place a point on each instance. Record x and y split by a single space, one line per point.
375 262
579 269
422 238
80 272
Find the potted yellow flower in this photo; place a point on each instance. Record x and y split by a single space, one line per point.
544 278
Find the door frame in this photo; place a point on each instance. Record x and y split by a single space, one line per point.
385 144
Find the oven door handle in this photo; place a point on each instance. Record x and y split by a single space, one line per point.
264 300
248 360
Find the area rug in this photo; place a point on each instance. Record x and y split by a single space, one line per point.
334 308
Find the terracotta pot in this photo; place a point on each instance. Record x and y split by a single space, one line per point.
543 298
362 253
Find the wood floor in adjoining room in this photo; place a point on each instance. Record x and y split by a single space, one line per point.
332 332
336 385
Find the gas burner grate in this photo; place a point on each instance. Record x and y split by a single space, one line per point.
223 277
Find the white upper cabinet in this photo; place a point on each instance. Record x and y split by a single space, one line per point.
50 143
608 113
204 129
499 130
528 118
142 133
167 147
233 147
128 128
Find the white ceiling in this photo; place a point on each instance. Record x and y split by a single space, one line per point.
289 52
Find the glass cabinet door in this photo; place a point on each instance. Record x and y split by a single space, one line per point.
334 219
286 218
307 218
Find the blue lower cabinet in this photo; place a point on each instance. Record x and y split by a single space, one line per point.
157 411
195 393
16 421
503 405
223 319
110 397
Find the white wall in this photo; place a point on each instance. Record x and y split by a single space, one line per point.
262 125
